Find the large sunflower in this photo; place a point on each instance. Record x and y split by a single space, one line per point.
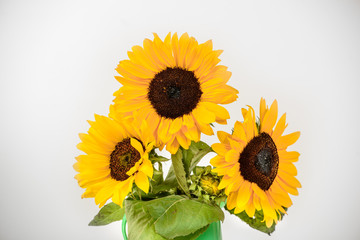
116 157
176 86
258 172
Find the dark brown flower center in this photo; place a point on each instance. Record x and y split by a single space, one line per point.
174 92
122 159
259 161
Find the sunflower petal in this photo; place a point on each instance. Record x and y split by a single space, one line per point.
142 181
284 141
270 118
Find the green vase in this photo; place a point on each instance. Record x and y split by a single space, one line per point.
212 233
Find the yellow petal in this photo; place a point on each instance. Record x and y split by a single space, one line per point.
135 168
137 145
205 128
239 209
225 181
288 167
284 141
234 170
232 156
258 191
162 52
175 48
217 161
287 188
175 126
106 192
126 188
163 129
288 156
220 112
147 168
142 58
183 141
269 222
183 45
279 128
250 208
202 114
126 66
238 146
223 137
281 199
263 109
172 146
220 149
244 194
231 201
249 125
268 210
191 133
239 130
270 118
188 121
289 179
116 197
190 53
142 181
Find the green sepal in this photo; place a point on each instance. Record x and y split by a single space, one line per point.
109 213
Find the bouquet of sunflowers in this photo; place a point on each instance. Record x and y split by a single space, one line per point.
172 91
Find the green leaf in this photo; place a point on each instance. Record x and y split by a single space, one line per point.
157 158
141 224
187 156
179 171
109 213
256 222
157 177
167 185
200 145
179 216
197 157
199 150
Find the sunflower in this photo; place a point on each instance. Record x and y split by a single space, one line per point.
258 171
175 85
116 157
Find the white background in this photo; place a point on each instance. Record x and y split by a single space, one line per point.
57 61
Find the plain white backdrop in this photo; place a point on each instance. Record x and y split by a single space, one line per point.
57 61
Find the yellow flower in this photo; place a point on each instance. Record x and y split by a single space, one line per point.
116 156
176 86
209 184
258 171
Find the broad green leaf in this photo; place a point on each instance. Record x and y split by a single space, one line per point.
179 171
179 216
141 224
109 213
